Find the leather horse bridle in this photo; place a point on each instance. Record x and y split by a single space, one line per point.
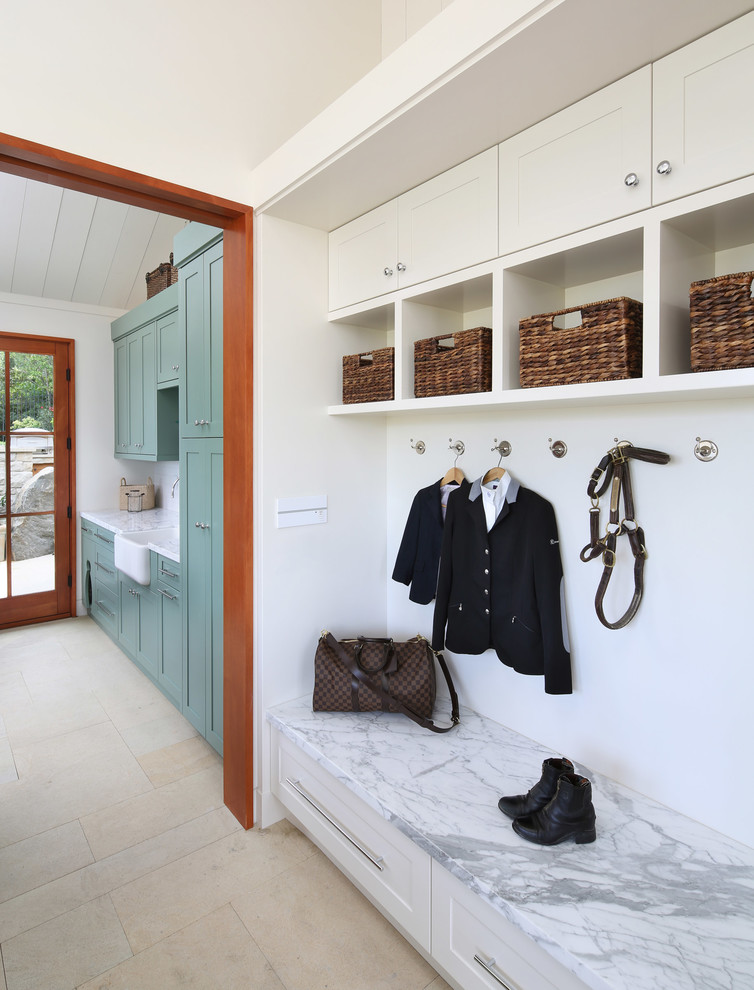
615 467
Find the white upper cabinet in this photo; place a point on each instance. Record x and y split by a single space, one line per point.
441 226
362 257
703 133
585 165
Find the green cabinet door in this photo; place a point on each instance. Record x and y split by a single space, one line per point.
148 650
168 349
201 472
88 538
200 311
171 642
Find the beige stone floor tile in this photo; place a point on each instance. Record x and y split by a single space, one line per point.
130 822
129 705
43 719
318 931
67 951
8 770
14 694
67 777
42 858
167 900
439 984
158 734
58 897
214 953
163 766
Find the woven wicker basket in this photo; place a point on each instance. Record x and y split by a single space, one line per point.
722 322
605 346
453 363
369 377
164 275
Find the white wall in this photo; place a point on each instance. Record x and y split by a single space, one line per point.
402 18
194 93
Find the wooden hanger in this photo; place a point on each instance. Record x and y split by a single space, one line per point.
494 474
453 477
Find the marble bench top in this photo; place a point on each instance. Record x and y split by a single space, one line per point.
658 902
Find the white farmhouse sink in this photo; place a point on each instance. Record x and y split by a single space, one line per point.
132 551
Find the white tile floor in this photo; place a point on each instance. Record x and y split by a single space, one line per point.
121 868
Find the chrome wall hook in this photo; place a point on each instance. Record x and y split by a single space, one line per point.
558 447
419 446
503 447
705 450
457 445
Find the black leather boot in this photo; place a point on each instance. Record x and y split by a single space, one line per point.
570 815
542 792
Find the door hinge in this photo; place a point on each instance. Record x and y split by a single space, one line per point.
68 443
69 512
67 374
70 580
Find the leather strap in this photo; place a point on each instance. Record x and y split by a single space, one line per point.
387 699
615 468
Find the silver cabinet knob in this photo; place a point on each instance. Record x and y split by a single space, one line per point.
388 272
632 179
664 167
400 266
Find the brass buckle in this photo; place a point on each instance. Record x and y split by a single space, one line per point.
608 561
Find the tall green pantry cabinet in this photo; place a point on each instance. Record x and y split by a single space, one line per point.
198 255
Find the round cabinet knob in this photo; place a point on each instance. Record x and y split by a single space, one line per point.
388 272
664 168
400 266
632 179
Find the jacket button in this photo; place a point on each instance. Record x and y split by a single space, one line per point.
486 550
486 591
486 570
486 611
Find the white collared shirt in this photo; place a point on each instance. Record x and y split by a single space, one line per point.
493 498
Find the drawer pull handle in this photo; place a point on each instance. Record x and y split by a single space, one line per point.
167 573
106 610
487 967
378 861
166 595
105 569
103 538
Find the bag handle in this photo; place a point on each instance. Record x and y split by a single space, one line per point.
356 671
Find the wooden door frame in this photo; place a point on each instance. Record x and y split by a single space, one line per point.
60 168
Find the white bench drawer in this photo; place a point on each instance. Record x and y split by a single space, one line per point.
390 869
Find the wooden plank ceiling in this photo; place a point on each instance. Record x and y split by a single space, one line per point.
65 245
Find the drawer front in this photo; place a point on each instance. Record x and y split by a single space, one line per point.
105 574
388 867
168 572
105 609
481 950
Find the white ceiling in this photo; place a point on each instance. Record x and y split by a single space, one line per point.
59 244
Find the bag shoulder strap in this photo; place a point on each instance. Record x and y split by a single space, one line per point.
427 723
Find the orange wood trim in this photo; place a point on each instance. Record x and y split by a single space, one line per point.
238 518
73 556
31 160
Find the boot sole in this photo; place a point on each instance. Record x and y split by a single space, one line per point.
580 838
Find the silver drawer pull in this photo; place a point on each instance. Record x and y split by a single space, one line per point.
487 967
105 569
167 573
378 861
166 595
103 538
106 610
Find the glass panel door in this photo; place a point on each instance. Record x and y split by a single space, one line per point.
35 479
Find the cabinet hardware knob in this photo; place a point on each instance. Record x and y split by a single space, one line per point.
388 272
632 179
664 167
400 266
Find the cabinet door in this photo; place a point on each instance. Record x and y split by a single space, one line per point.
168 348
148 651
450 222
201 560
128 624
702 112
201 320
143 392
122 409
364 257
574 169
87 563
171 641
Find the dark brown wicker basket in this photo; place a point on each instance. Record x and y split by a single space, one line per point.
605 346
164 275
370 376
722 322
453 363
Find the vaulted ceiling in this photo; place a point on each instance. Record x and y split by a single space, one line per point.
59 244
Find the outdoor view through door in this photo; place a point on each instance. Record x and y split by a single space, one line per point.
36 496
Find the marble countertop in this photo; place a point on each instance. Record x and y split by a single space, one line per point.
120 521
658 902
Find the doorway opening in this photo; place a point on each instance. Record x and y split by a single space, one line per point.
36 479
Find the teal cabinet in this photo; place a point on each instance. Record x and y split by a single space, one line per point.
146 418
168 343
201 470
138 632
105 608
88 538
171 630
200 315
